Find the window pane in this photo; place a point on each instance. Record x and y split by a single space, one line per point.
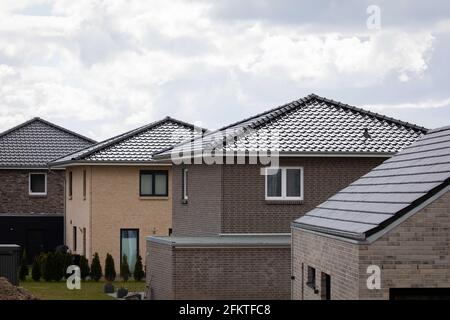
37 184
293 182
129 245
146 184
160 184
274 183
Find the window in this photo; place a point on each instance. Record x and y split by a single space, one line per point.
284 183
325 283
129 246
84 242
84 184
38 184
311 277
70 184
153 183
185 184
74 230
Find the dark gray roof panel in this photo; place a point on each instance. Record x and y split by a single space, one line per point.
378 197
373 207
371 218
137 145
311 125
36 142
392 189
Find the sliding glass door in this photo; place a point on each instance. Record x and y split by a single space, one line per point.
129 246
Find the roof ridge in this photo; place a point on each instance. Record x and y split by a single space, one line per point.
34 119
123 136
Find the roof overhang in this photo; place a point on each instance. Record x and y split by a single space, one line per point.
74 163
28 168
282 240
200 154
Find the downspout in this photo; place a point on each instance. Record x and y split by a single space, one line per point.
90 210
292 266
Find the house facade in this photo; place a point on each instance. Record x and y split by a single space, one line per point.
116 195
31 195
231 219
386 235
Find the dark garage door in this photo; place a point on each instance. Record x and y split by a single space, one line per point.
35 234
419 293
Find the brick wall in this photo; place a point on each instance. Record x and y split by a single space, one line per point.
231 198
245 209
14 196
337 258
218 273
201 215
159 271
415 254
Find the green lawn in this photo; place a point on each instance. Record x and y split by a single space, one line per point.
90 290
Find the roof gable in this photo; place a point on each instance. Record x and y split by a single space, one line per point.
136 145
311 125
34 143
388 192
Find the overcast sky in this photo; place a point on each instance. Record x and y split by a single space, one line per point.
103 67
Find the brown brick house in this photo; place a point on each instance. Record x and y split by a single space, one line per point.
117 195
231 221
389 227
31 195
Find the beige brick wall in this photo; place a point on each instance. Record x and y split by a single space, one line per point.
337 258
78 209
113 203
414 254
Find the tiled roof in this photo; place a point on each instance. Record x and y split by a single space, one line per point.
34 143
137 145
388 192
311 125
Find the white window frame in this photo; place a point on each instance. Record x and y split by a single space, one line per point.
185 176
284 184
29 184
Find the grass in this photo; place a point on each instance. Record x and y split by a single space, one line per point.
90 290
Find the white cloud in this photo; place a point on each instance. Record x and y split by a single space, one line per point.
115 64
428 104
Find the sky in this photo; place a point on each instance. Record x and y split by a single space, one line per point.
101 68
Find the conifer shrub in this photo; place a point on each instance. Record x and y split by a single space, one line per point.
138 273
96 268
110 270
125 268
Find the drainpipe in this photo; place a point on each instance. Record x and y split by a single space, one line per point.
292 266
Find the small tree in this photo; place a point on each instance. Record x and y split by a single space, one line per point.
48 267
125 268
84 267
110 270
23 271
58 261
36 269
96 268
138 272
68 261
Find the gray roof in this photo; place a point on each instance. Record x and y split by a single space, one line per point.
310 125
34 143
136 145
388 192
270 240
